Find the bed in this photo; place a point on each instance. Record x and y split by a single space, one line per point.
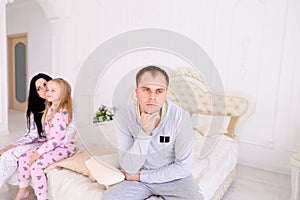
217 120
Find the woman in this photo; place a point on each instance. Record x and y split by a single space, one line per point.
10 154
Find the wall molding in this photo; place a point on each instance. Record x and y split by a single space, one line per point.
269 145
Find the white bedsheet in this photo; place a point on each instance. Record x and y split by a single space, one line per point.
211 171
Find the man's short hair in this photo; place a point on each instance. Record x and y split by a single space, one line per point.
154 72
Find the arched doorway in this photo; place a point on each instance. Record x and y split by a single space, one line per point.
29 48
60 24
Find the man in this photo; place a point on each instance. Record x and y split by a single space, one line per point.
155 141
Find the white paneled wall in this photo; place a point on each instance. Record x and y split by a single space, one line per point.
288 112
255 45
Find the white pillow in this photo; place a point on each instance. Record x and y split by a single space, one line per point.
210 124
105 169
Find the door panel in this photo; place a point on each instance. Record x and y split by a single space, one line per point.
17 55
20 72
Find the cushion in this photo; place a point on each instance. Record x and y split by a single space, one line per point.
105 169
74 163
211 124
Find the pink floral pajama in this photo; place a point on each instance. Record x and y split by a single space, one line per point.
51 151
36 171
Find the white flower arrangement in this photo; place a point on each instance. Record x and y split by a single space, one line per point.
104 113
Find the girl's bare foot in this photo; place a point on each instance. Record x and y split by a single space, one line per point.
22 194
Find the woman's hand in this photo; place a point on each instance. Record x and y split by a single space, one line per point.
34 157
6 148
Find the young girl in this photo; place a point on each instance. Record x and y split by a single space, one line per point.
57 116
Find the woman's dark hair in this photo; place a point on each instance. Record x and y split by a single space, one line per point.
36 104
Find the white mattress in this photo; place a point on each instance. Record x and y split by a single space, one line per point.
210 172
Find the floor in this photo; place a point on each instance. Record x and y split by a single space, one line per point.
250 183
256 184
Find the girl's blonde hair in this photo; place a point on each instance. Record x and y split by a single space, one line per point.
65 101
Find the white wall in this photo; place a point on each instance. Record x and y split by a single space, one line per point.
254 44
26 16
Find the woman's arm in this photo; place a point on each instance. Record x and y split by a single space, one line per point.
71 130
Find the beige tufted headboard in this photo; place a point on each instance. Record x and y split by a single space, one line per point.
189 90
